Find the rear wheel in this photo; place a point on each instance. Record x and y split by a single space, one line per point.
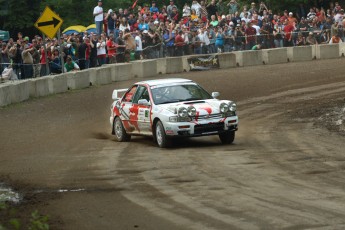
120 131
227 137
162 140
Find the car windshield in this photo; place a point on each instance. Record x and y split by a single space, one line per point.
178 93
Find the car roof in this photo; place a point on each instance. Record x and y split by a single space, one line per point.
157 82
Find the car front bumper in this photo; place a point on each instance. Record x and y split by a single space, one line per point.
201 128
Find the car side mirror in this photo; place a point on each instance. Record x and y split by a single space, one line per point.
215 94
143 102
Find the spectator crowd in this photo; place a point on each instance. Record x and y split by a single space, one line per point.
149 31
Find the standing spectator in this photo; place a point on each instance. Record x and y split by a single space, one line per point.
212 9
170 8
278 35
4 56
250 35
139 45
111 47
101 50
28 62
154 9
303 27
174 15
98 14
111 19
205 41
36 60
93 51
196 43
229 38
212 39
55 64
186 10
124 25
262 8
82 53
179 44
44 59
120 48
233 6
196 7
253 8
239 38
203 12
219 40
221 8
288 29
169 40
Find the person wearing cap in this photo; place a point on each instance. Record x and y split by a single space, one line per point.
98 15
292 20
27 62
111 21
311 40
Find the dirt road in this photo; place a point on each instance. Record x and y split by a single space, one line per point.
285 169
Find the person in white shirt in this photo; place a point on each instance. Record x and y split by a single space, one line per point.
205 41
98 14
139 45
196 6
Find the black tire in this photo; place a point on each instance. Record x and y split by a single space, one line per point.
161 138
227 137
120 131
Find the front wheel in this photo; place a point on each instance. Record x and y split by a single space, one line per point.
162 140
120 131
227 137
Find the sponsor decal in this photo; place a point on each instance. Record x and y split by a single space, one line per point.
147 113
204 62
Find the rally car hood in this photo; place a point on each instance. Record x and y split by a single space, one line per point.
203 107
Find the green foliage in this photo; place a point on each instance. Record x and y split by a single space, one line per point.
36 221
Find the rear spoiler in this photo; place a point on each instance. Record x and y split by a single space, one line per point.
116 93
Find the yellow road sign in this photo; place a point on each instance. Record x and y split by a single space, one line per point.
49 22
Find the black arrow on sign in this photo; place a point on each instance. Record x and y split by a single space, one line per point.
54 22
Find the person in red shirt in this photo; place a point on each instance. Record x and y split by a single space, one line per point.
111 47
288 29
179 44
250 35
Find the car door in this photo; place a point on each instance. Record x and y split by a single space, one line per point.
141 113
126 110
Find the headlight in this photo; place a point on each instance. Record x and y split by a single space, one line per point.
232 106
191 111
224 107
182 112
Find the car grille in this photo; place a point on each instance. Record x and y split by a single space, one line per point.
207 128
208 116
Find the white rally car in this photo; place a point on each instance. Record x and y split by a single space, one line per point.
167 108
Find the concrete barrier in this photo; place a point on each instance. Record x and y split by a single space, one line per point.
327 51
5 95
39 87
300 53
121 72
274 56
144 68
57 84
103 75
79 80
161 65
227 60
185 64
174 65
342 49
249 58
20 91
